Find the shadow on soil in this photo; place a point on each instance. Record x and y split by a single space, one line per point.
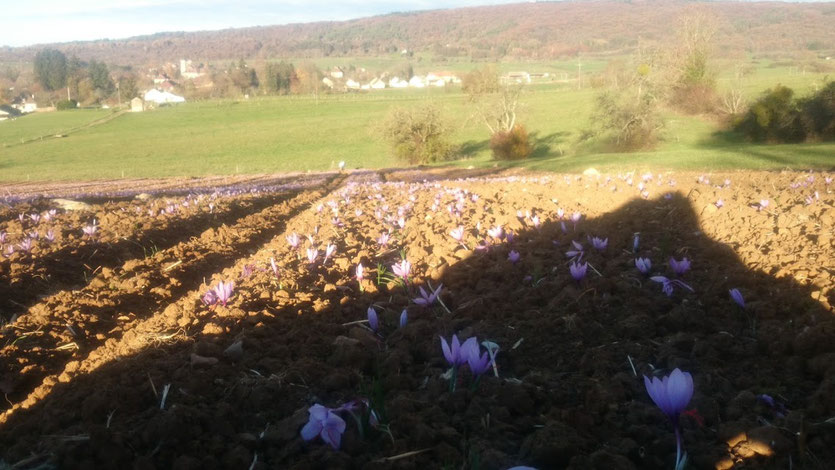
571 361
543 146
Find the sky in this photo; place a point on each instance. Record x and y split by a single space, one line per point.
28 22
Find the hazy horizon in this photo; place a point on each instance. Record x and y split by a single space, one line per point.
55 21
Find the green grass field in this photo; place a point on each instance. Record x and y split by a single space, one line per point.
279 134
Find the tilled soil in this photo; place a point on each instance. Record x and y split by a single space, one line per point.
112 359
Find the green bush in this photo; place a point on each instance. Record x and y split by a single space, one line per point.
777 116
418 135
66 104
511 145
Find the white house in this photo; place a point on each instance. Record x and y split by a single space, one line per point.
3 115
417 82
337 72
396 82
26 107
377 84
162 97
352 84
328 82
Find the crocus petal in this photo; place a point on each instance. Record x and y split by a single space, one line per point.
311 429
447 352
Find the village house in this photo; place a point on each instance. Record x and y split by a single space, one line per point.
519 77
396 82
337 72
328 82
3 115
377 84
417 82
162 97
352 84
189 71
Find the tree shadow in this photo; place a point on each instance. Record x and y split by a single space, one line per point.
573 353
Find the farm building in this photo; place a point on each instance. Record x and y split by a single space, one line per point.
3 115
137 105
162 97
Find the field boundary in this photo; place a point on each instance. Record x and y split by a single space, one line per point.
62 134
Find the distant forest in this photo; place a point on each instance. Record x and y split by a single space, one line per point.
521 31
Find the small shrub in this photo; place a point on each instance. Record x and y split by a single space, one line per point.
66 104
695 99
627 121
818 114
775 117
511 145
418 135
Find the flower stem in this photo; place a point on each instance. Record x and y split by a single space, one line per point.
453 379
678 446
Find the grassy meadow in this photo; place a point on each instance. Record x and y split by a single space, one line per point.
291 133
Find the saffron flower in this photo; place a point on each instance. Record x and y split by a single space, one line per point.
373 320
90 230
50 236
598 243
426 299
636 241
719 204
223 291
402 269
360 272
36 218
577 251
668 285
737 297
329 251
452 351
644 265
325 423
578 271
2 236
671 394
496 232
514 256
457 234
383 240
679 267
479 362
312 254
25 245
404 318
763 204
274 267
293 240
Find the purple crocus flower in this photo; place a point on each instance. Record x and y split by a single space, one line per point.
404 318
668 285
636 241
598 243
644 265
209 298
8 251
360 272
514 256
274 267
457 234
563 227
575 217
479 362
50 236
223 291
2 236
90 230
578 271
671 394
535 221
325 423
452 351
312 254
329 251
25 245
402 269
22 217
680 267
426 299
737 297
373 320
763 204
383 240
293 240
496 232
36 218
576 252
719 204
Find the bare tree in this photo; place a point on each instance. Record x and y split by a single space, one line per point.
499 114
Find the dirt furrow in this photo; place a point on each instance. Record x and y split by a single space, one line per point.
25 278
65 327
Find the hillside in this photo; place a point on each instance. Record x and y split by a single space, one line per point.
519 31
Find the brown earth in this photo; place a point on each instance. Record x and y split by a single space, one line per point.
101 327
